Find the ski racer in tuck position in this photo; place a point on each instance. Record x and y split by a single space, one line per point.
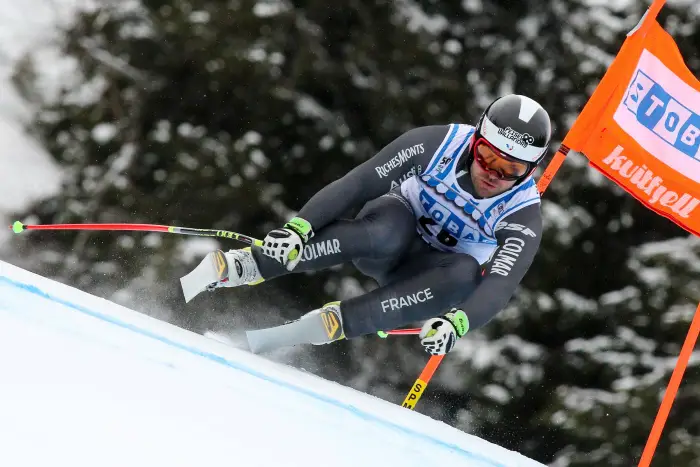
449 225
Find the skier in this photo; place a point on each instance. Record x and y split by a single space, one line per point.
449 225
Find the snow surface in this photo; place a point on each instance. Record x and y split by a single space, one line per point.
87 382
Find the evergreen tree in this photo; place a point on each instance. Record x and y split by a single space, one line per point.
232 114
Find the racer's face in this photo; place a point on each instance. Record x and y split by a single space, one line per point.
491 174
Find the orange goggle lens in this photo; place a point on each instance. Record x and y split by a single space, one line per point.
492 160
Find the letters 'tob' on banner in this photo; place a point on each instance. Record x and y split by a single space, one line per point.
641 126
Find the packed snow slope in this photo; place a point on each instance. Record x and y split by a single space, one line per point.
86 382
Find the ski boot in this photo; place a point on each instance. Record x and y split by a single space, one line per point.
221 269
332 320
317 327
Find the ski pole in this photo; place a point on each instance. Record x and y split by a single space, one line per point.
426 375
421 383
418 387
18 227
404 331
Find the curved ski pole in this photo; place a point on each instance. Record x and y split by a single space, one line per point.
421 383
17 227
398 332
419 386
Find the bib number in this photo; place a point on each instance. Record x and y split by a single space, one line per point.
443 236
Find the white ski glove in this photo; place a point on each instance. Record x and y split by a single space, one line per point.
439 335
286 245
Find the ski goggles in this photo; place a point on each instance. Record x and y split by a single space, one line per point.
492 160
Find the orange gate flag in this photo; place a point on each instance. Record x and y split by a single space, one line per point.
641 126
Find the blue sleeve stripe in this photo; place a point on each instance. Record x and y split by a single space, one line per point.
447 169
438 156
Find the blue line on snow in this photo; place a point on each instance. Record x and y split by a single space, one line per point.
237 366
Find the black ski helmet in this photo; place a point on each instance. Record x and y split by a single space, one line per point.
518 126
